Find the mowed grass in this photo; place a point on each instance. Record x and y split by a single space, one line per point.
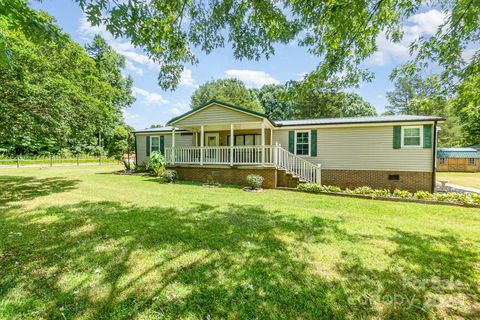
467 179
82 243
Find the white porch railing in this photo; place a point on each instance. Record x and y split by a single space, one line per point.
246 155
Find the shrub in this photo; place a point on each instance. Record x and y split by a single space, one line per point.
170 176
254 181
331 189
475 198
310 187
402 193
454 197
156 164
363 190
423 195
381 193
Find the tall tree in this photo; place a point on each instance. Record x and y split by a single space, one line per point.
52 96
355 106
227 90
328 104
274 102
417 96
342 34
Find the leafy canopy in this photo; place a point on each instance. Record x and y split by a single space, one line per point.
326 104
274 101
227 90
341 34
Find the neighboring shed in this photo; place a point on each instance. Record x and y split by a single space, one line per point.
458 159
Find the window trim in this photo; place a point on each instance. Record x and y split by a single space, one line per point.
443 160
309 143
151 144
470 161
420 133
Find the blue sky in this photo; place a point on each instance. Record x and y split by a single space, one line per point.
155 106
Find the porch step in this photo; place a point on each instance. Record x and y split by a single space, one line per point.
287 179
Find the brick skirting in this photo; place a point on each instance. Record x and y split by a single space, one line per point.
227 175
408 180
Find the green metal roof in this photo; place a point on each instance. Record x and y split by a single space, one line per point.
458 153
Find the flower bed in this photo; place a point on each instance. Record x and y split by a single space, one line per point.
469 199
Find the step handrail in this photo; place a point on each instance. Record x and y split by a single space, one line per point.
302 168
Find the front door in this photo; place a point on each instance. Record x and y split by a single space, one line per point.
211 139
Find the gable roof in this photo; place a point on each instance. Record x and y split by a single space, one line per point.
222 103
458 153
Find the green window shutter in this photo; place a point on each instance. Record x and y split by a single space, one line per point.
427 136
313 143
291 141
397 137
162 144
148 146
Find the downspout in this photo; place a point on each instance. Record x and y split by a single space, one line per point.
136 155
434 152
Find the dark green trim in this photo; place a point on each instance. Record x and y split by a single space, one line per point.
427 136
291 141
162 144
148 146
226 104
313 143
397 137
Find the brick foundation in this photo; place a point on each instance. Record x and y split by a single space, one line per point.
227 175
408 180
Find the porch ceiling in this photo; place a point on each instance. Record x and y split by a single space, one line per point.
225 127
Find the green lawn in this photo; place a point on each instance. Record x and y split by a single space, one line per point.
79 242
467 179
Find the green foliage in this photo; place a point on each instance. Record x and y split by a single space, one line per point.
363 190
329 104
156 164
423 195
227 90
121 143
402 193
254 181
317 188
55 96
169 176
274 102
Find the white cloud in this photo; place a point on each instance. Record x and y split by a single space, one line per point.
179 108
252 78
129 116
134 60
186 78
150 98
421 24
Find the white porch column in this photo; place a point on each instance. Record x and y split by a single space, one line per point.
263 143
231 144
173 146
202 136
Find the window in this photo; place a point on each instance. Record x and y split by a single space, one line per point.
442 160
411 136
302 143
471 161
154 144
246 140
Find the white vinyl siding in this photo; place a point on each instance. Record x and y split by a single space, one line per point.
216 114
180 141
362 148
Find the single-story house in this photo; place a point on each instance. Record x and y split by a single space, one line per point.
223 142
458 159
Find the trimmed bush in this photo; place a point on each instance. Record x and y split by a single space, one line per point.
381 193
363 190
402 193
254 181
423 195
170 176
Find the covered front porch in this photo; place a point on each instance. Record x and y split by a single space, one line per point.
221 144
